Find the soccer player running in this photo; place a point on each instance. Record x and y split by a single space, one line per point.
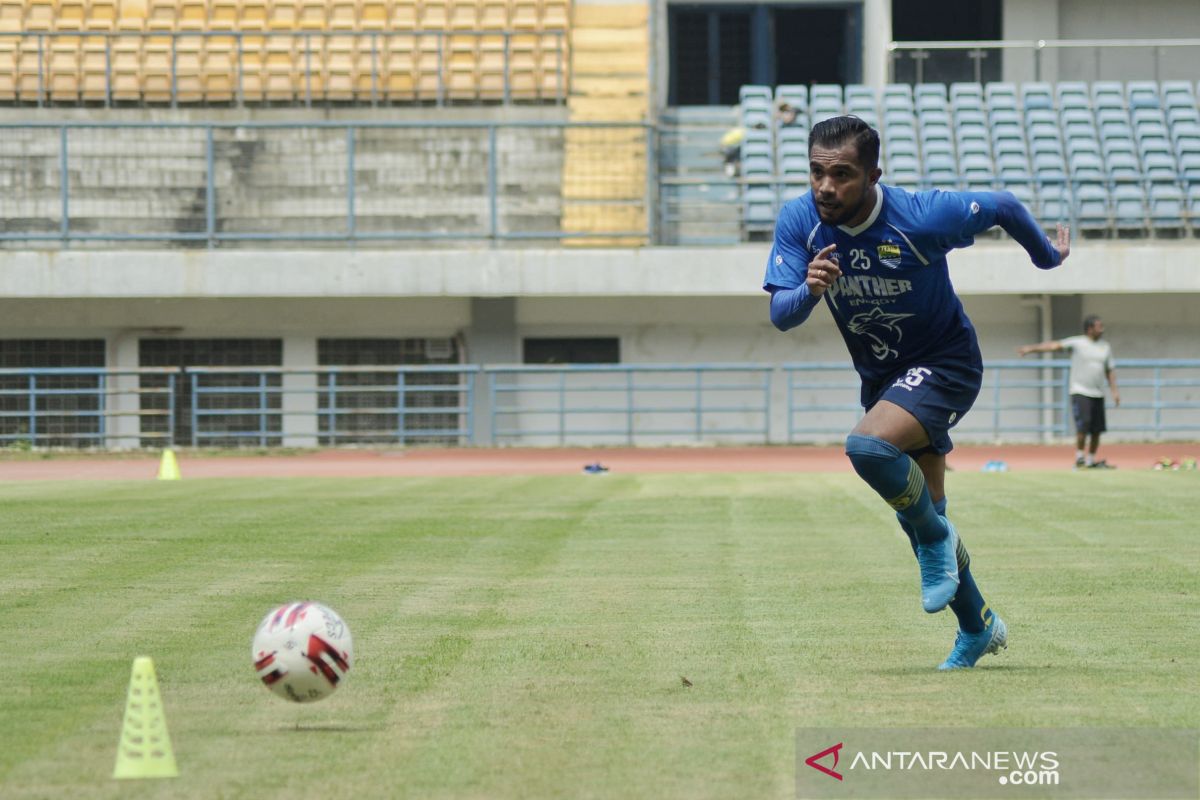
877 255
1091 366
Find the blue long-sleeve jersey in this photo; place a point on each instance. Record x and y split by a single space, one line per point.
894 303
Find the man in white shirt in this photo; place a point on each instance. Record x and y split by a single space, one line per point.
1091 367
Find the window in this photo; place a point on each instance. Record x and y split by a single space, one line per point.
573 351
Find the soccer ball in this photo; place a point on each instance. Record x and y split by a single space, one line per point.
302 651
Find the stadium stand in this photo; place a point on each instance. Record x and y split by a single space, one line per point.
283 51
1111 158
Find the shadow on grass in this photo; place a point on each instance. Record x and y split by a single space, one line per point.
329 728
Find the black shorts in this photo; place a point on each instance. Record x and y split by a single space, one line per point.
1089 413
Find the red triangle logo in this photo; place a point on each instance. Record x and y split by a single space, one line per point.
813 759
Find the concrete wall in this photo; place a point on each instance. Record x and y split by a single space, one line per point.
1103 19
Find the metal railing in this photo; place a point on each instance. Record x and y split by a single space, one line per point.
407 204
1160 400
581 404
950 61
289 67
631 404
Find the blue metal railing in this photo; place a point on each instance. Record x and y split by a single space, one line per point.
630 403
305 67
499 196
1160 399
633 404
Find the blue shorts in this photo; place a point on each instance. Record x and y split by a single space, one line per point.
938 395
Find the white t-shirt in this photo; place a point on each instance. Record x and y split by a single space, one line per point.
1090 363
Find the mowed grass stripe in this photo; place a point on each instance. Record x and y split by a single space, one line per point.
522 637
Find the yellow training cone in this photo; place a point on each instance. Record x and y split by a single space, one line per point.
145 748
168 469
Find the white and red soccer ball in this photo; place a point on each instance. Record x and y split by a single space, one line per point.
302 651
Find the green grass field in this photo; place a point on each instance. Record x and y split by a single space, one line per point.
528 637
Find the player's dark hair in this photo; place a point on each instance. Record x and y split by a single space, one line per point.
1089 321
837 131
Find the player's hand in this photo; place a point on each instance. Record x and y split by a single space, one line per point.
1116 399
1024 350
822 272
1063 245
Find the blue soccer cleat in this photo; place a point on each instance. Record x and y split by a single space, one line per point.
970 647
939 571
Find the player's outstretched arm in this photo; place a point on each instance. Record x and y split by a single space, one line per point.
1052 346
1016 220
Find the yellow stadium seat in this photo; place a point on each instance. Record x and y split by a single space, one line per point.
193 15
280 74
156 69
102 16
313 15
373 15
10 47
339 68
189 69
31 71
127 68
223 15
343 15
162 15
283 15
434 16
39 16
12 16
220 69
93 71
63 69
554 15
463 15
132 15
70 15
253 15
490 75
525 15
250 72
403 16
399 66
493 15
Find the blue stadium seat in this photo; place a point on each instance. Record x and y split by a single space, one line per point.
1004 116
1013 167
897 97
1073 95
1142 94
1193 206
1049 168
1085 166
1092 207
977 172
1166 207
1055 205
1008 139
1129 208
969 144
795 95
1036 95
759 206
1110 116
966 95
1000 96
1180 115
1122 166
970 116
859 97
1108 94
1178 94
1160 167
933 94
1116 130
755 95
1189 169
825 101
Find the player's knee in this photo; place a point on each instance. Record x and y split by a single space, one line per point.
866 453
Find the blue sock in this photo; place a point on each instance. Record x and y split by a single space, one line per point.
899 481
968 604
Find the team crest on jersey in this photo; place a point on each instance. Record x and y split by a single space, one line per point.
889 254
881 330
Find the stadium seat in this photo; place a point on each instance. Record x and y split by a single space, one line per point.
794 95
1055 205
1166 208
1178 94
1092 208
1000 96
930 95
1036 95
1193 207
1189 168
1142 94
1086 166
1049 168
1129 208
897 97
1122 166
1073 95
759 96
966 95
977 172
1013 167
1108 95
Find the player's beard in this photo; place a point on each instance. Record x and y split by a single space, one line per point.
840 215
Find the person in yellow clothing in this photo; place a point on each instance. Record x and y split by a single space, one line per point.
1091 367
